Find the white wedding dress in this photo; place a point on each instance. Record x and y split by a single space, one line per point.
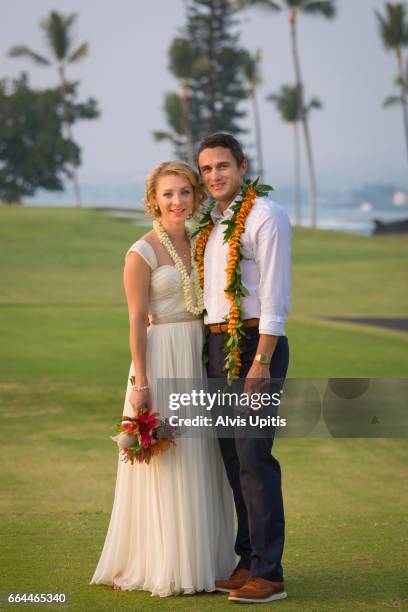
172 528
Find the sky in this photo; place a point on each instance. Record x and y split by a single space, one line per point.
355 140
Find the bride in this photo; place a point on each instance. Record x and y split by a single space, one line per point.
172 525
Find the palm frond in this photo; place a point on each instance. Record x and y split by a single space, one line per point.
314 103
69 20
250 63
392 26
160 136
381 19
286 101
393 101
266 4
173 108
57 34
401 82
181 57
79 53
327 8
22 51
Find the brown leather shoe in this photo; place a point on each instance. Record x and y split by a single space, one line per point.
259 590
235 581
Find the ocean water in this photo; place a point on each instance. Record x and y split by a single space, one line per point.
347 210
352 210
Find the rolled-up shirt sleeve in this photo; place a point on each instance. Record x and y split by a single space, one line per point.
271 244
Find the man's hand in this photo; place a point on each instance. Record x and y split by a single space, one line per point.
258 372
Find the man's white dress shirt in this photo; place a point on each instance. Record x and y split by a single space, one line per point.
266 272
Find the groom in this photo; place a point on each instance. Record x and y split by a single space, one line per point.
253 473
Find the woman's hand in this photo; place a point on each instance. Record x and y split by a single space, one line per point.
138 399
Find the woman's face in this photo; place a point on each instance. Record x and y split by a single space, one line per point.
175 198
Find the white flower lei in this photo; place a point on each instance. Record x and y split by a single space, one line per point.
181 269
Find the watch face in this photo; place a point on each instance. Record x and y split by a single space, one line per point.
262 359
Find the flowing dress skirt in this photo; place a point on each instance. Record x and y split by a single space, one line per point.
172 527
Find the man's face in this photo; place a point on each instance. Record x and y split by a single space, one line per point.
222 177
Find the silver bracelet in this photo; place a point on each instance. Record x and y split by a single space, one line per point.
140 388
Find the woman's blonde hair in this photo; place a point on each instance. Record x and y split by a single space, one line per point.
178 168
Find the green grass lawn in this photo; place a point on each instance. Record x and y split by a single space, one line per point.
64 362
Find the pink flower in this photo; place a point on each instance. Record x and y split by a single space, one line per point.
146 439
129 427
147 421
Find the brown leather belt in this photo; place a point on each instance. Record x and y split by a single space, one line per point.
221 328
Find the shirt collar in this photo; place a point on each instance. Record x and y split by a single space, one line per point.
217 215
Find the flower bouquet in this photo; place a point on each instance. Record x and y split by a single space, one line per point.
144 436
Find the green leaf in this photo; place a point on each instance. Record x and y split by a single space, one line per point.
392 100
79 53
22 51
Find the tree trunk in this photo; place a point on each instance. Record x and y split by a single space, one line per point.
304 120
74 174
213 22
258 133
186 121
404 94
297 196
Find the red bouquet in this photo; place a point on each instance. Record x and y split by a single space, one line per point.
144 436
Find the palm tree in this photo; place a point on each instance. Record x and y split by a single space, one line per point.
325 8
58 34
287 104
394 34
181 62
252 74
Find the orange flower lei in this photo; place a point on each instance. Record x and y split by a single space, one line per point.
234 289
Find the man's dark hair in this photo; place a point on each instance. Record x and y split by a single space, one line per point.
221 139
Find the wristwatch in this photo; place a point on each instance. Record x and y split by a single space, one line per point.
263 359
